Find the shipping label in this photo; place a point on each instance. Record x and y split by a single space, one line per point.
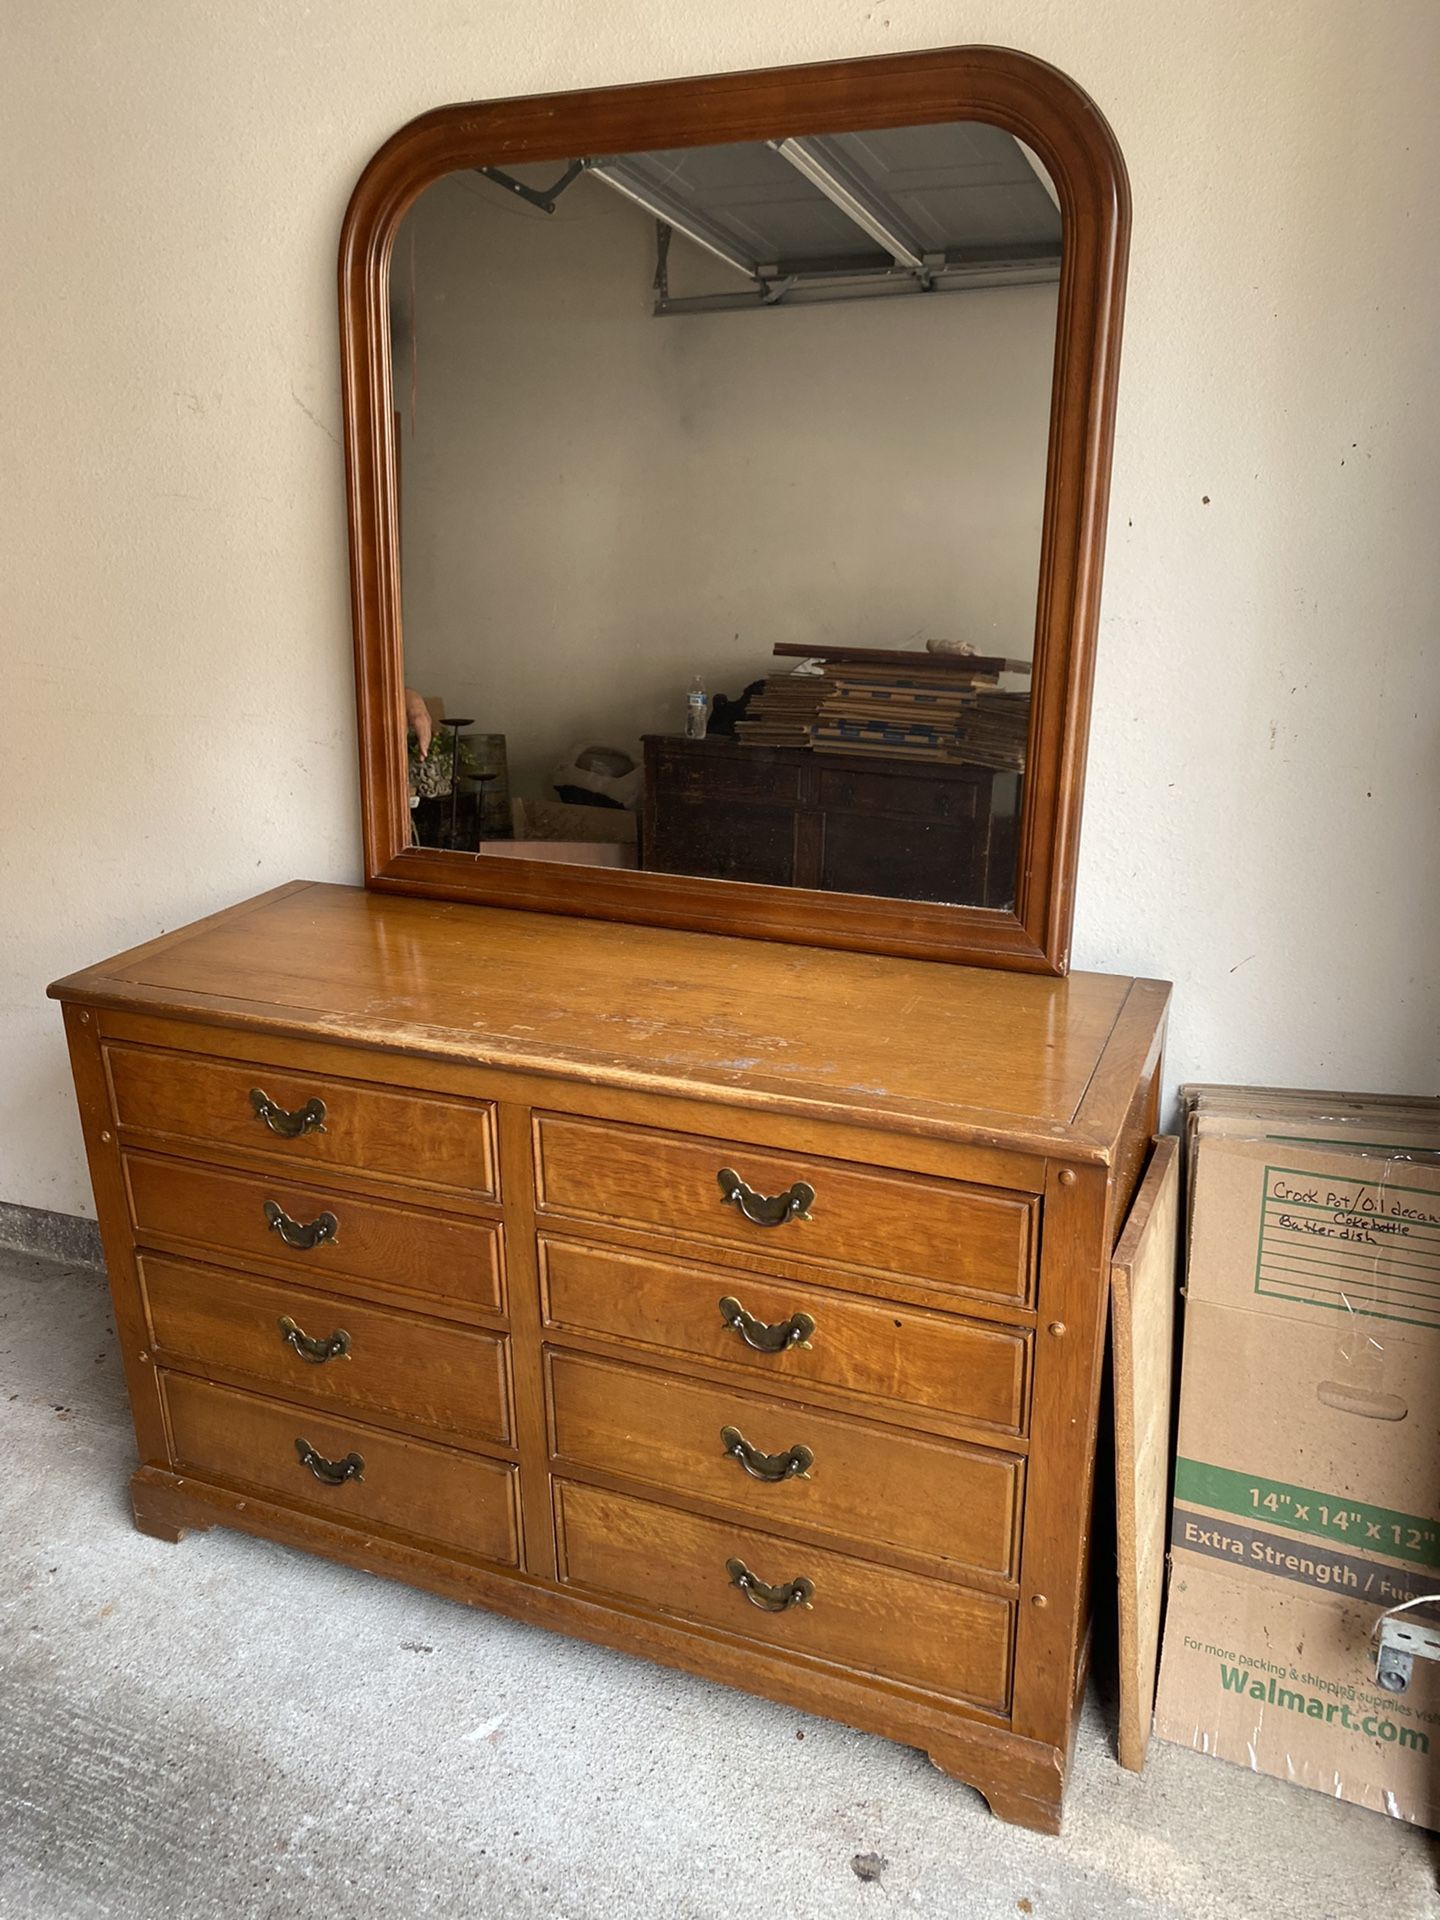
1365 1247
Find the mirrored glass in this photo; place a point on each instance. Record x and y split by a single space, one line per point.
721 480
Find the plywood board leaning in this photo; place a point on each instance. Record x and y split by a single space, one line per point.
1142 1295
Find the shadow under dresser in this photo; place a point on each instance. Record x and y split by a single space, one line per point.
741 1305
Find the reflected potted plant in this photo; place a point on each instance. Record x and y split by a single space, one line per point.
448 758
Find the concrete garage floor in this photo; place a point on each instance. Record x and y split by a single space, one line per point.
225 1730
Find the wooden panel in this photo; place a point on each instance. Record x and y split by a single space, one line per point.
734 840
868 1485
929 793
911 859
716 768
425 1492
1143 1283
992 1058
892 1357
438 1255
419 1138
420 1371
950 1235
928 1633
1133 1149
107 1178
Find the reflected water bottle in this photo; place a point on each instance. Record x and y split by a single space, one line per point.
697 710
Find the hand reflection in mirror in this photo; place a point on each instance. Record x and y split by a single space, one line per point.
418 721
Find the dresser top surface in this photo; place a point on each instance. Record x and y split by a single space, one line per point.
957 1051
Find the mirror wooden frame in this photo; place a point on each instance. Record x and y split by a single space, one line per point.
1026 97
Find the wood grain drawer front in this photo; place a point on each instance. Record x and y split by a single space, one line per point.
418 1138
896 1357
710 776
857 1482
416 1370
934 1230
877 1620
441 1255
931 796
428 1493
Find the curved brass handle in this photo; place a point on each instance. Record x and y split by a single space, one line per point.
793 1464
314 1233
334 1473
795 1593
307 1119
317 1352
794 1332
771 1210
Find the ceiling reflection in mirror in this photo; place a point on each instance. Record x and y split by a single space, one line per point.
721 478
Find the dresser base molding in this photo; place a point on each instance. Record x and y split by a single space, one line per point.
1032 1798
1021 1780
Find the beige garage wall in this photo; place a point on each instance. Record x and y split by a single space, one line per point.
599 505
178 731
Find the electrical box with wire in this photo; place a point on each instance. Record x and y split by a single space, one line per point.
1402 1642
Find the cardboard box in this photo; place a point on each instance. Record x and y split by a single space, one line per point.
1307 1484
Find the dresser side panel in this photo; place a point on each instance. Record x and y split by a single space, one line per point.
107 1179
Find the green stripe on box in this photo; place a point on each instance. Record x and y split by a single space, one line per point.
1328 1516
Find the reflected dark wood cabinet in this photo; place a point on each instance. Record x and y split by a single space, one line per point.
841 823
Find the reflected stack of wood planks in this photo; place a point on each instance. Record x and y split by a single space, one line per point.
896 705
784 712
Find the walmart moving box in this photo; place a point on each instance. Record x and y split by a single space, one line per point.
1307 1483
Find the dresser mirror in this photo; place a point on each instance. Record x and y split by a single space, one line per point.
727 465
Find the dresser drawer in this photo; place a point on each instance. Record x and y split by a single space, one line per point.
708 774
427 1492
937 1231
902 1626
441 1255
296 1342
306 1120
931 794
891 1357
787 1466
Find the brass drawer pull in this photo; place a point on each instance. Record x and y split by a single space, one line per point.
317 1352
307 1119
794 1332
311 1234
793 1464
334 1473
795 1593
766 1210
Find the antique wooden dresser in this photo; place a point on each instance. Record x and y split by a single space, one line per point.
733 1303
843 822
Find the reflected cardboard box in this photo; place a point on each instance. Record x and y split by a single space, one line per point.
1307 1483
